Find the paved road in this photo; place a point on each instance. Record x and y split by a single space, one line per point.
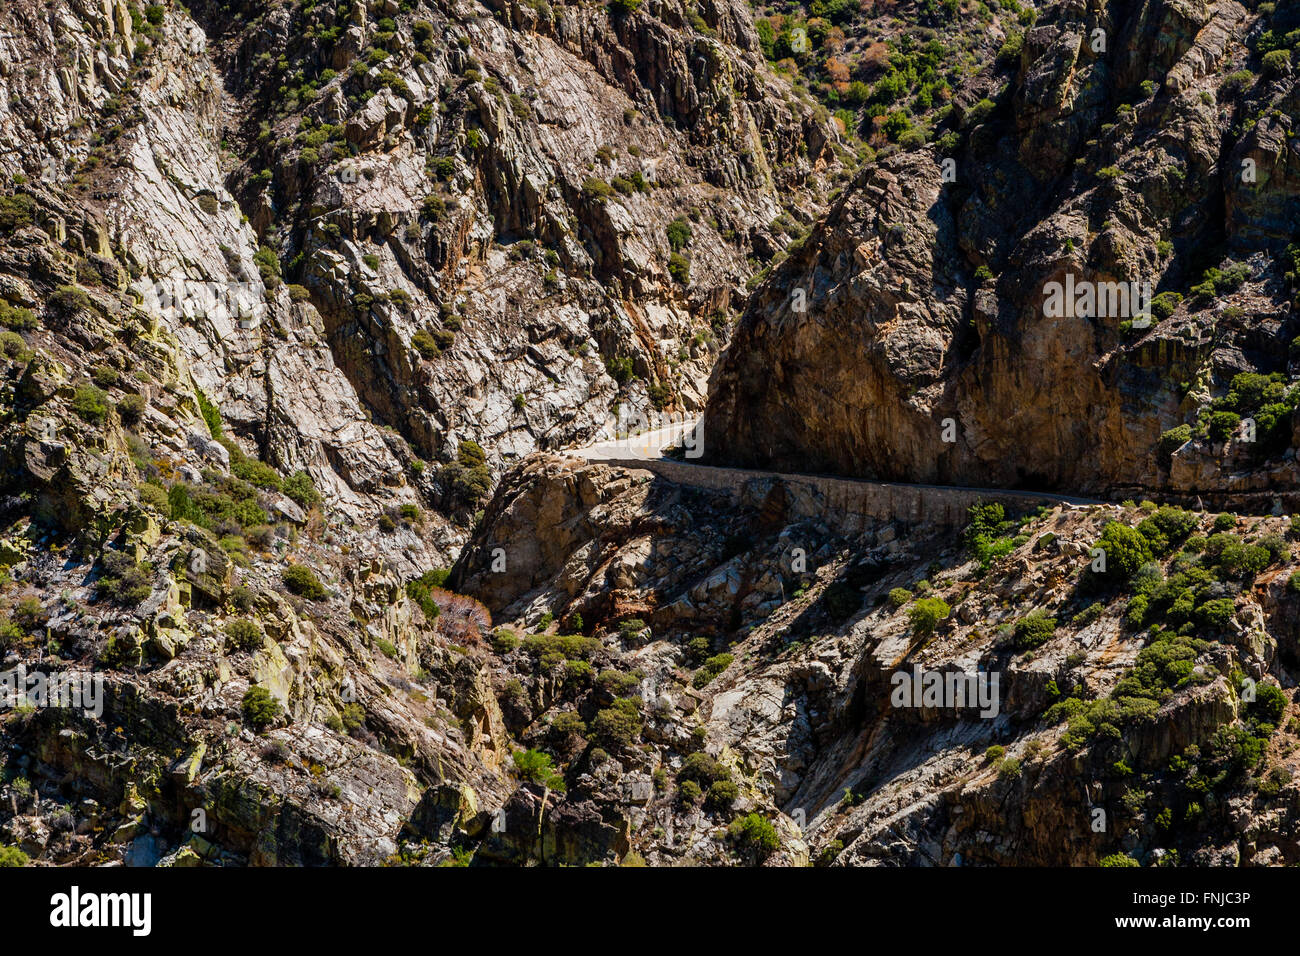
646 450
647 446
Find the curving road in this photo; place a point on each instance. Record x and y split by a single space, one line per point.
941 504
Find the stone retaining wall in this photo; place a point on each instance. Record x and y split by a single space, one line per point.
823 496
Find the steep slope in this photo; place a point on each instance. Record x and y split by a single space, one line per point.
1138 711
514 217
914 336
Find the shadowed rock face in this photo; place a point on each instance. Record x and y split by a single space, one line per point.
925 299
804 700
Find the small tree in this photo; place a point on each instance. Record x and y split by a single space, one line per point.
260 708
679 234
754 836
533 765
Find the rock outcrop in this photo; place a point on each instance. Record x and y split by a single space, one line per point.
912 337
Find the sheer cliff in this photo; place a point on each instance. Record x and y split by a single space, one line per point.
1125 146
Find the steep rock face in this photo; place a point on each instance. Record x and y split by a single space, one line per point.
364 287
369 718
501 178
910 337
120 158
803 708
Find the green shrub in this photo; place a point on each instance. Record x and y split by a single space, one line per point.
467 478
533 766
1237 560
1223 425
1277 63
131 409
619 683
1034 630
1216 282
1171 441
620 369
90 403
300 487
679 233
564 646
1126 550
1166 528
211 414
243 634
122 580
1165 664
711 669
721 795
679 267
105 376
1216 613
1165 304
1089 614
253 471
1118 859
703 769
420 591
754 836
432 208
16 212
597 190
618 726
11 856
424 343
986 535
16 318
301 580
1269 704
268 266
980 112
926 613
631 627
353 717
568 724
260 708
899 596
